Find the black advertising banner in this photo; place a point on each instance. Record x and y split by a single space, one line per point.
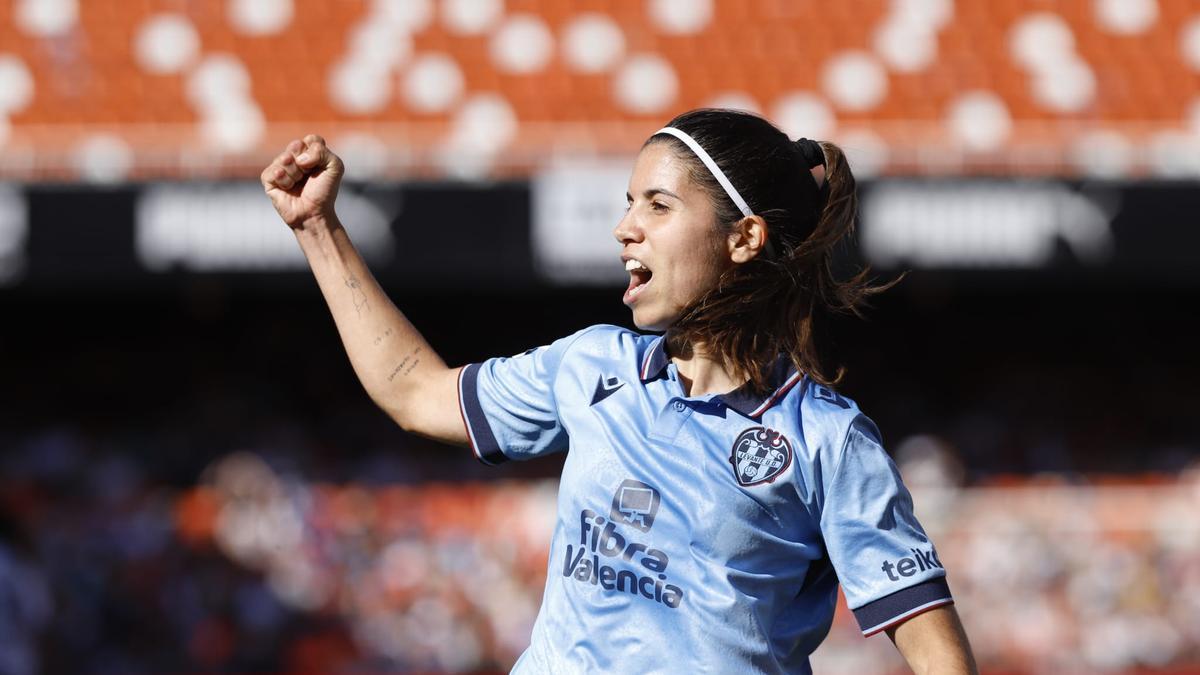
417 236
552 232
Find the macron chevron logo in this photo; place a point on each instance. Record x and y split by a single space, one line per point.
604 388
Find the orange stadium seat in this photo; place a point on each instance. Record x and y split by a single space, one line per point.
642 62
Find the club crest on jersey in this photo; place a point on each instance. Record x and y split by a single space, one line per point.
759 456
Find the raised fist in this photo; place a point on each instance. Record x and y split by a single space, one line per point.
303 180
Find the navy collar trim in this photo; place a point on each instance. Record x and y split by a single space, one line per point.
784 376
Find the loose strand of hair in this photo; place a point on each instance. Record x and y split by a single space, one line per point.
747 322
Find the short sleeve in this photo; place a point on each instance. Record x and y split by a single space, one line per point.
508 404
888 568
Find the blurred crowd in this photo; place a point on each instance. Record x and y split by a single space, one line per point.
105 583
259 567
1059 575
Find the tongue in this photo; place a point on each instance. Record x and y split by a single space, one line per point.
637 278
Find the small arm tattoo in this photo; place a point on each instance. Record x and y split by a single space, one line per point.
386 334
410 361
357 294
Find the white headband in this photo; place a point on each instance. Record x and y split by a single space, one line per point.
712 167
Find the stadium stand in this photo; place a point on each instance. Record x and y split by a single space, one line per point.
185 488
109 90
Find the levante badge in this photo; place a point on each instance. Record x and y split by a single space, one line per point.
759 456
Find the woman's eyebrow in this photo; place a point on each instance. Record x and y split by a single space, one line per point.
650 193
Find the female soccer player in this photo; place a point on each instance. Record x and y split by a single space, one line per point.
717 488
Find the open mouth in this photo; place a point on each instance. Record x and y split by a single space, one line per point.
639 278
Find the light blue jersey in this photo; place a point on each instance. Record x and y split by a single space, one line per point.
698 534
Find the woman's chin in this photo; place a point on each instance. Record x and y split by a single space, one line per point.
647 319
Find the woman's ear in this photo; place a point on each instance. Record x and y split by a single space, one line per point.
748 239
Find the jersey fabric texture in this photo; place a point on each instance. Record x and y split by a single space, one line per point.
698 534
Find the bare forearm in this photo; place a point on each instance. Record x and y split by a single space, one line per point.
935 642
388 354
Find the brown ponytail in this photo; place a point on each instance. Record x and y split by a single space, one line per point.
775 304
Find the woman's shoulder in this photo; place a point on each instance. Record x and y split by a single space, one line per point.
608 339
597 345
828 416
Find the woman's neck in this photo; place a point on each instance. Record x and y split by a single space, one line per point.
700 373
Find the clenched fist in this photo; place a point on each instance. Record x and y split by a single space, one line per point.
303 180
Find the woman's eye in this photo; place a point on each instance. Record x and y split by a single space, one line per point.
658 206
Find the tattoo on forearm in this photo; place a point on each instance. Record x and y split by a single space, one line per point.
386 334
406 365
356 293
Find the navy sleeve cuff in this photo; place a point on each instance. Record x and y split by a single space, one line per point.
892 610
479 433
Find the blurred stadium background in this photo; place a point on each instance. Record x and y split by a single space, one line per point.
192 481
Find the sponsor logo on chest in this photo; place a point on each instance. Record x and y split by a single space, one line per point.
617 563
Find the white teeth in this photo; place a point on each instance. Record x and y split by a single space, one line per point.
631 265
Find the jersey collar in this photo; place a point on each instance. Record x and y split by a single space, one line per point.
783 377
655 361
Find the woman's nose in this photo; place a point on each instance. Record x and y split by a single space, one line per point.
627 230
